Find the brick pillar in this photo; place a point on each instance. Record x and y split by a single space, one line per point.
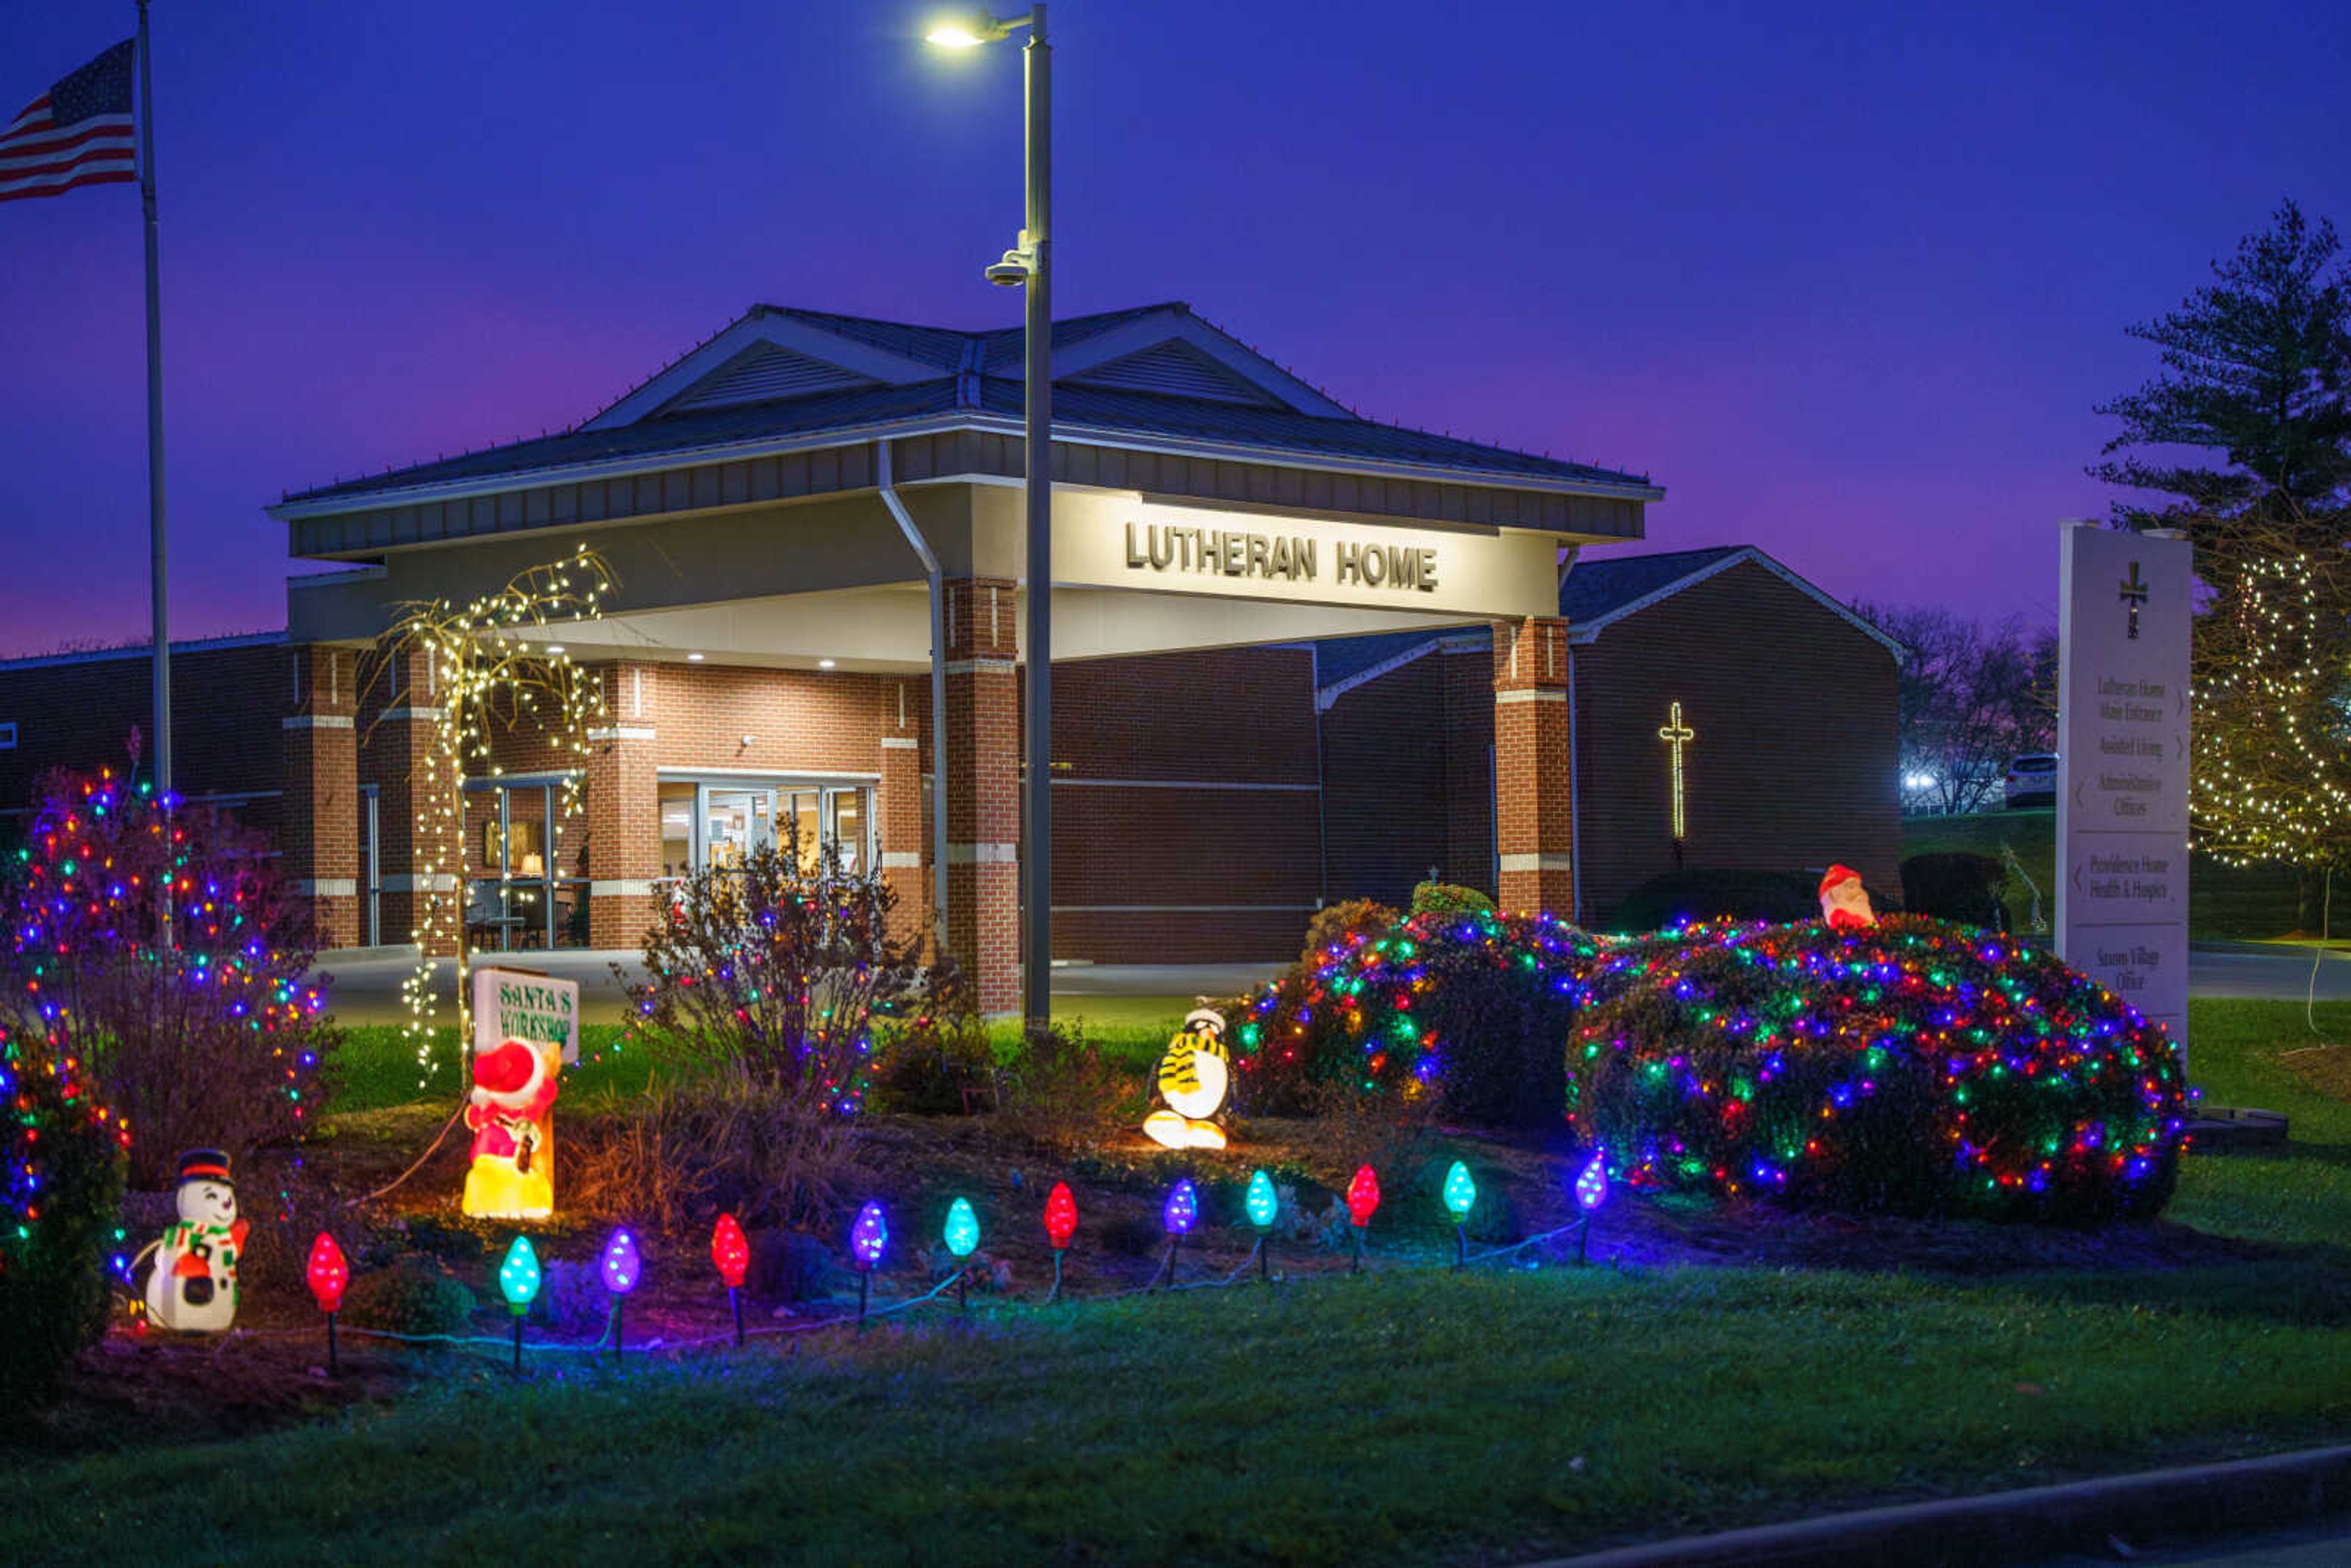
898 806
319 829
982 789
1535 797
422 831
623 802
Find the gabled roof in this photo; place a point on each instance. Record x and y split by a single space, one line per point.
1155 371
1596 592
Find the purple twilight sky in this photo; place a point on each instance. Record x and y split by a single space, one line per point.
1845 278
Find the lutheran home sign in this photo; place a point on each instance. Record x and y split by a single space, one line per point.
1110 539
1231 553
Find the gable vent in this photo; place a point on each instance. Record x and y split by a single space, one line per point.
1177 369
760 374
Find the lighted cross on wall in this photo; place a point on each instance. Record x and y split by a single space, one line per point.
1675 734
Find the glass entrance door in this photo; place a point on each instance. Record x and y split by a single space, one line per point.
738 824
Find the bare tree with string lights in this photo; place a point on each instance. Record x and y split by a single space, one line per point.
494 669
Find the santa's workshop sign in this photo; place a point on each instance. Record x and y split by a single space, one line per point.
525 1028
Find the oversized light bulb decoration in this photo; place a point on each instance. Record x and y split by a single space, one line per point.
622 1267
869 1235
1363 1196
731 1253
963 1228
1061 1216
1591 1184
1182 1210
518 1276
1264 1204
329 1273
1195 1076
1460 1192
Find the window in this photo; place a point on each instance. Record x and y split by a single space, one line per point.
720 823
9 735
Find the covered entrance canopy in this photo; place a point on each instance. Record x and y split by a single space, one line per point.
769 502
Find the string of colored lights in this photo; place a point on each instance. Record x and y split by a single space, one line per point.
1913 1065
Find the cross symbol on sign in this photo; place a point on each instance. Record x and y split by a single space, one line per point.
2133 594
1675 734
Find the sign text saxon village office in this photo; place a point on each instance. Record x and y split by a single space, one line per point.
1227 552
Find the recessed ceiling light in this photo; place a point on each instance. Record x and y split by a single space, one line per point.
824 664
555 647
694 658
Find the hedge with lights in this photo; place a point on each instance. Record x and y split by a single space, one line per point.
60 1185
1469 1004
1915 1067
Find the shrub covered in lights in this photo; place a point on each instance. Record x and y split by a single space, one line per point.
210 1040
1472 1005
60 1185
1917 1067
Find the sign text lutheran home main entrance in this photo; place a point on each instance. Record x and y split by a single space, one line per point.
1105 539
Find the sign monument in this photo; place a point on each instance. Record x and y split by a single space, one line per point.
2122 765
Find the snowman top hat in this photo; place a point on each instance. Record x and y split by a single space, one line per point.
205 1165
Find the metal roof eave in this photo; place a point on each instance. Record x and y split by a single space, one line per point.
299 510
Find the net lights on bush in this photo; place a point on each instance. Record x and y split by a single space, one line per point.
1179 1214
730 1254
327 1273
1913 1066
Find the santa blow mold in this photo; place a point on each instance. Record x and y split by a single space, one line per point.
1845 903
512 1175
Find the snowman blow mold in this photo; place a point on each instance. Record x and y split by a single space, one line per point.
192 1288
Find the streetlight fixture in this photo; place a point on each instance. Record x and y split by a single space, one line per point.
1028 264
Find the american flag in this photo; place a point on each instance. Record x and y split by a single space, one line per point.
77 134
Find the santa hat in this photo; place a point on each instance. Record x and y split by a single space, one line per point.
1838 873
205 1165
514 1071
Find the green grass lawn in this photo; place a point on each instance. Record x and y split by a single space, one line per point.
1390 1419
2223 901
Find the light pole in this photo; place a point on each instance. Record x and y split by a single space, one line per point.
1029 264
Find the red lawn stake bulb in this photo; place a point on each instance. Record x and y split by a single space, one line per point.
730 1254
1060 1226
1362 1202
327 1273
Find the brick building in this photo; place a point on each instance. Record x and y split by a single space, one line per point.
1784 700
787 507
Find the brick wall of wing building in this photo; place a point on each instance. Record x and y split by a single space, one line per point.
77 712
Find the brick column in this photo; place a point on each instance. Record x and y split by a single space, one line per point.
418 853
981 788
898 806
622 803
318 831
1535 797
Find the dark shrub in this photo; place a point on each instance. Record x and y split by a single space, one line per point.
1470 1006
1335 925
61 1158
1449 898
1063 1094
1680 897
1916 1067
416 1295
1954 885
682 1152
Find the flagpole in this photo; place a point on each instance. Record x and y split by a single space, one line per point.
159 585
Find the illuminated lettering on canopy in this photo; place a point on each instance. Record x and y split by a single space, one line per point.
1288 557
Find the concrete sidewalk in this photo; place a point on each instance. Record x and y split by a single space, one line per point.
367 981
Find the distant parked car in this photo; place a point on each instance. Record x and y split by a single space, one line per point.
2032 781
